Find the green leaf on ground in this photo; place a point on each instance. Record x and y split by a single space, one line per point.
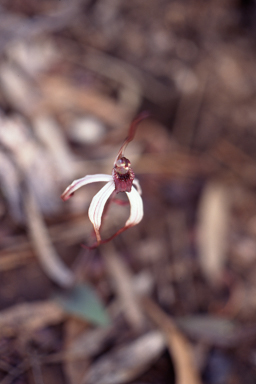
82 301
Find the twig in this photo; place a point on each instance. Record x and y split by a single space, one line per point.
18 251
178 346
135 80
48 257
15 372
60 93
27 317
124 286
23 29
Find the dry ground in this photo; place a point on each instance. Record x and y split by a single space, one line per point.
172 299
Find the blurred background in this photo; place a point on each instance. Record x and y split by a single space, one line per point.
172 299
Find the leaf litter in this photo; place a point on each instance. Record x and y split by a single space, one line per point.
183 280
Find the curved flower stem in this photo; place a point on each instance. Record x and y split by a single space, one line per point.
131 133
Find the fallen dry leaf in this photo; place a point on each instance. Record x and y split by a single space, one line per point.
127 363
213 218
42 244
124 286
179 347
27 317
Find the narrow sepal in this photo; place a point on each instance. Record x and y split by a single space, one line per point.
69 191
97 206
137 185
136 212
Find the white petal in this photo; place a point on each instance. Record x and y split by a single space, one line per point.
83 181
136 213
98 204
137 185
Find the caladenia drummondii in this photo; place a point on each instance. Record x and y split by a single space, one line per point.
121 180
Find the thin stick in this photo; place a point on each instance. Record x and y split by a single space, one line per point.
124 286
179 347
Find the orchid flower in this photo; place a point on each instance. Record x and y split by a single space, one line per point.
122 179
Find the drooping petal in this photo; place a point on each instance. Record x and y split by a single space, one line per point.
97 206
136 212
69 191
137 185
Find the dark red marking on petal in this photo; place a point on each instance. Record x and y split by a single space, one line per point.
121 202
66 195
123 183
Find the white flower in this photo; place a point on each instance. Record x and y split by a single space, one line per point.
121 180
